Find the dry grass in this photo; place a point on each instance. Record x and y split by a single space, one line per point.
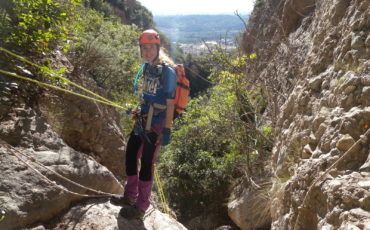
257 205
261 206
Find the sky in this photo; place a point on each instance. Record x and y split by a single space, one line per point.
171 7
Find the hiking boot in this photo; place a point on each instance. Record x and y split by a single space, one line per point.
132 212
122 199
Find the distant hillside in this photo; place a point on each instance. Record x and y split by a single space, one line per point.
194 28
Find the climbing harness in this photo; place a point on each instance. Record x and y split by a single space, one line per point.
139 128
149 118
154 109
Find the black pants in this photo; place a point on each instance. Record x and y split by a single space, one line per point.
132 151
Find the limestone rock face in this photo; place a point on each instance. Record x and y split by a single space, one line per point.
317 55
24 194
86 126
28 198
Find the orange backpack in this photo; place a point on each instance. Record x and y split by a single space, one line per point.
182 90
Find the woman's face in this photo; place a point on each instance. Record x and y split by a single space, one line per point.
149 52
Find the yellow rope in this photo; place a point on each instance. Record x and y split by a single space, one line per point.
106 101
160 190
56 76
2 215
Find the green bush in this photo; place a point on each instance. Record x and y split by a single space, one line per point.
141 16
100 6
130 12
199 165
107 52
219 138
37 25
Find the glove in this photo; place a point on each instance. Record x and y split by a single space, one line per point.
129 111
166 134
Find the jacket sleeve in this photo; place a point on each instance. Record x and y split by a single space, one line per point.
169 82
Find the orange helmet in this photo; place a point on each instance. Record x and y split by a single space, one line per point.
149 36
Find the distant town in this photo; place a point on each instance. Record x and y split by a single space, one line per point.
198 49
190 31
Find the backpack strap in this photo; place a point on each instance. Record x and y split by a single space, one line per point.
162 72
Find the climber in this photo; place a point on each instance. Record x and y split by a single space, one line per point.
151 130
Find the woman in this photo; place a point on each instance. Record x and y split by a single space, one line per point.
152 128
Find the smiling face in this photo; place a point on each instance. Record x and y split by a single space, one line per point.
149 52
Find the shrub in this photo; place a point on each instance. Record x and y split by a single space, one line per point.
107 52
36 25
220 138
201 162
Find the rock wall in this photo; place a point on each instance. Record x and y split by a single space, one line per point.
24 195
87 126
318 53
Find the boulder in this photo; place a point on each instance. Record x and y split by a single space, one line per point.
101 214
28 198
250 210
